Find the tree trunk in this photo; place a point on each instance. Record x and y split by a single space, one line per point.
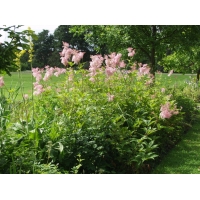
198 74
153 50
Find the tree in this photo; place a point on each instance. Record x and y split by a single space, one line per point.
43 48
183 61
10 49
62 33
152 42
185 57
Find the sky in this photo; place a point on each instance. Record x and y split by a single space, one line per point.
143 12
36 28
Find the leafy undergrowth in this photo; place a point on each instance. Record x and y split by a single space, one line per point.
108 119
185 157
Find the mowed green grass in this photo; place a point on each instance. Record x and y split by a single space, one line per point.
13 82
185 157
175 79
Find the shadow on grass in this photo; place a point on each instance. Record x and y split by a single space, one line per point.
185 157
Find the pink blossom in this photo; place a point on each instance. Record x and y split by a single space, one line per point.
69 52
144 70
170 72
38 88
95 64
131 52
59 71
140 64
92 79
134 67
113 60
110 97
162 90
37 74
56 74
97 61
25 96
149 82
117 58
49 73
64 61
166 112
37 92
1 82
77 57
65 44
48 88
109 71
66 53
70 77
122 64
130 49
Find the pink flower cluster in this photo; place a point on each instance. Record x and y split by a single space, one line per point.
36 72
95 66
143 69
110 97
1 82
68 53
25 96
131 52
38 88
162 90
166 112
49 71
71 75
171 72
112 61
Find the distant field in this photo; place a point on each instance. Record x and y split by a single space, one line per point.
12 82
175 78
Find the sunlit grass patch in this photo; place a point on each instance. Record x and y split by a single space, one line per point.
185 157
13 82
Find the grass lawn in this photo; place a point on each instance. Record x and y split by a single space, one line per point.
175 78
12 82
185 157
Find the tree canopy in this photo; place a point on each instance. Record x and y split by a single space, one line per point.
163 47
152 42
9 50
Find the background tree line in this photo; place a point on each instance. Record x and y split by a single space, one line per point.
163 47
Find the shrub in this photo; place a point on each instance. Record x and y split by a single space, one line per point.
107 119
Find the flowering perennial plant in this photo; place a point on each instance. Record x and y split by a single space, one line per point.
167 112
68 53
171 72
131 52
110 117
49 72
110 97
1 82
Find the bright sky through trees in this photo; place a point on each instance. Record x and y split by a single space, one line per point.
36 28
